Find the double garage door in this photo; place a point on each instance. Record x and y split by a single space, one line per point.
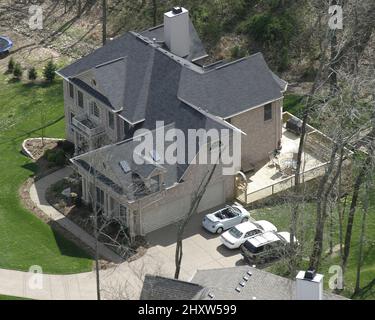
174 211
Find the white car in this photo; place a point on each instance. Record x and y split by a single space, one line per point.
238 235
225 218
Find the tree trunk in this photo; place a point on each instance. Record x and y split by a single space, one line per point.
353 206
104 22
361 241
194 207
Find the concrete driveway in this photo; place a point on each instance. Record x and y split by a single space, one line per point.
201 250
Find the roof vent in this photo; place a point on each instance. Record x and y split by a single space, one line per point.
177 10
211 295
238 289
243 284
249 273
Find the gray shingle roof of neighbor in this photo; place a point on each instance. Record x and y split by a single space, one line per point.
160 288
221 284
261 285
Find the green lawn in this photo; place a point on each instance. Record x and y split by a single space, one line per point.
280 216
24 239
3 297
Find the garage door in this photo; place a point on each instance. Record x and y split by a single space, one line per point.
213 197
166 214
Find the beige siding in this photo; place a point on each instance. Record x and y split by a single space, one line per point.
262 136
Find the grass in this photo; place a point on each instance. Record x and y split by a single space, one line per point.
293 104
4 297
280 216
24 239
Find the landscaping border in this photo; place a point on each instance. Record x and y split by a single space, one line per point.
27 153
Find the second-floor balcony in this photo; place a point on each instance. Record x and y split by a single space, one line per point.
87 126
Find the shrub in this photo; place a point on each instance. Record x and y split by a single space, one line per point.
17 71
238 52
49 71
11 64
60 158
67 146
32 74
50 155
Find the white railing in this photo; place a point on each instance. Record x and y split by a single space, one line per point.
247 196
78 122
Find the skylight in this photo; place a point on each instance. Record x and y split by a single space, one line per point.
125 166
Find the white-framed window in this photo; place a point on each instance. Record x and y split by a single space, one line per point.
80 99
71 90
111 120
124 215
268 112
94 109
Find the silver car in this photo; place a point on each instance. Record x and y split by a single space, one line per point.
225 218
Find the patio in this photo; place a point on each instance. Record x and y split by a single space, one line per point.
277 174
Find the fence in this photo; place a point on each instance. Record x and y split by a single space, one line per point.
247 196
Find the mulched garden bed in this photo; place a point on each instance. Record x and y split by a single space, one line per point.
37 147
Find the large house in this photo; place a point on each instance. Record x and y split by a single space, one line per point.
158 76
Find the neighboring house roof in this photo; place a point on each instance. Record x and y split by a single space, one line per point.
261 285
221 284
160 288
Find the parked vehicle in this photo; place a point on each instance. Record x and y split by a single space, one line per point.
225 218
236 236
267 246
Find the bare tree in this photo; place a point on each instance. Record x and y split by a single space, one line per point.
104 22
193 209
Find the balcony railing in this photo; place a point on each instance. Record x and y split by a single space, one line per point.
85 125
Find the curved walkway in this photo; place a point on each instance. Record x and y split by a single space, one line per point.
75 286
37 195
201 251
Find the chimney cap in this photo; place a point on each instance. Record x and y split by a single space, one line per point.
177 10
310 274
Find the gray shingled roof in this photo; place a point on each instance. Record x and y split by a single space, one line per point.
149 81
231 88
160 288
262 285
221 284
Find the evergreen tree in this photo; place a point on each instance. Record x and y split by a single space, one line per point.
49 71
17 71
32 74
